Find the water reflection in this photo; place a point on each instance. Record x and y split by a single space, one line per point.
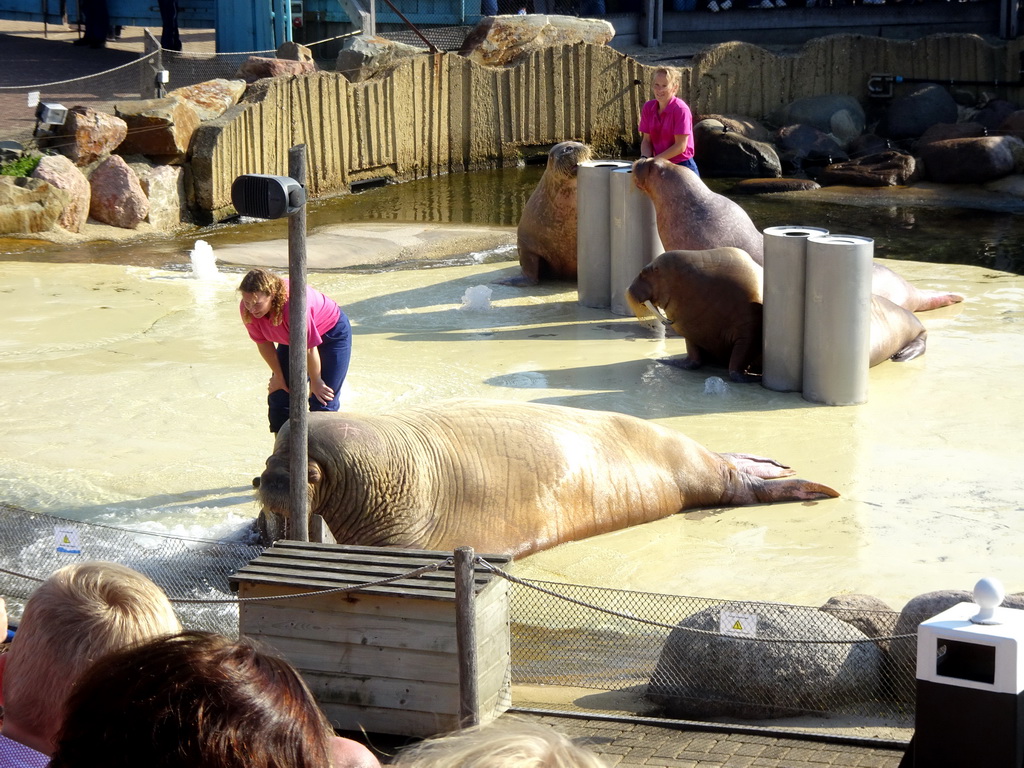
497 197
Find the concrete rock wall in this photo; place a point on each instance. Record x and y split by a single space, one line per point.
441 113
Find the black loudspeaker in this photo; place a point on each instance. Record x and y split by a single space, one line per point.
263 196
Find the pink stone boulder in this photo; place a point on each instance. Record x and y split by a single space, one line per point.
117 196
60 172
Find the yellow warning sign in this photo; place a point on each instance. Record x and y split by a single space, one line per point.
737 624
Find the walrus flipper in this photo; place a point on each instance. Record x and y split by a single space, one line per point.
914 349
759 466
791 489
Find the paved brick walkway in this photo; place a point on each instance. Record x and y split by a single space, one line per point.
624 743
631 743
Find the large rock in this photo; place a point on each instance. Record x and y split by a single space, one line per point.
61 173
972 161
117 196
994 113
29 205
869 614
164 186
910 115
842 117
257 67
87 135
771 186
293 51
744 126
361 58
944 131
212 98
705 673
801 146
885 169
1013 124
721 152
158 128
501 41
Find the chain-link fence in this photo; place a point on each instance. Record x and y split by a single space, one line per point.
193 572
702 658
680 657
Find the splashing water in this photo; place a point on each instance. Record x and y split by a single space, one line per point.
204 263
478 297
713 385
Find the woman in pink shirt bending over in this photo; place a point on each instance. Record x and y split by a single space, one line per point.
264 310
666 123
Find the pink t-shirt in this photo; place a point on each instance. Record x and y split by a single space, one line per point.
676 120
322 315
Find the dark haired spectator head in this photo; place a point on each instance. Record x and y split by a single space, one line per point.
194 700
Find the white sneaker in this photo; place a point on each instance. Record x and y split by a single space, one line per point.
726 5
713 6
766 4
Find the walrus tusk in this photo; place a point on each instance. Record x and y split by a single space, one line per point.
657 312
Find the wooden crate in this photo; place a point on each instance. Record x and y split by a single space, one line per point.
385 658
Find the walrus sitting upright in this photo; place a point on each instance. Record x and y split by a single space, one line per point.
547 228
690 216
510 477
713 299
693 218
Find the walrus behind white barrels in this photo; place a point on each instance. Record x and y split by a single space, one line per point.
508 477
693 218
547 228
714 300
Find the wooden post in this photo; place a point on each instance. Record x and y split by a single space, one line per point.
298 406
465 635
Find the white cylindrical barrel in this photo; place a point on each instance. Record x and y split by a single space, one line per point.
594 232
784 262
837 319
635 241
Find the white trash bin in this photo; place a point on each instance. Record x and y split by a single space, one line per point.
970 685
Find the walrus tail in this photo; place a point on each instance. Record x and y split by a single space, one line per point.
792 489
936 299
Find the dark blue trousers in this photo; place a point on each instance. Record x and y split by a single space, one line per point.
691 165
335 353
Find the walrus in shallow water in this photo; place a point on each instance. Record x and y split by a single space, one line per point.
547 228
713 299
507 477
691 217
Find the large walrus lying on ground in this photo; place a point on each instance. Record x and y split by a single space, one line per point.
507 477
693 218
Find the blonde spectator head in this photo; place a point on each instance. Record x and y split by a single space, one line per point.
80 613
508 743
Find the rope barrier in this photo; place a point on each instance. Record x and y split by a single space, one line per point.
551 593
447 562
42 86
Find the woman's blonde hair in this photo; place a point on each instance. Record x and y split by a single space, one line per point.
262 281
673 75
510 742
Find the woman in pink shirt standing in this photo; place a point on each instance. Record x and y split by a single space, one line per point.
666 123
264 310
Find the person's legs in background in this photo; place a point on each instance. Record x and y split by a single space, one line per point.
278 401
335 354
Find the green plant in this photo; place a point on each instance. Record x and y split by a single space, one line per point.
23 166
